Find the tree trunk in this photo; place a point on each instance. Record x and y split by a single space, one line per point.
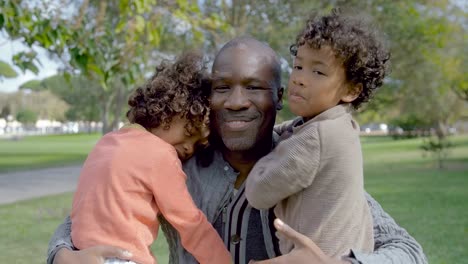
106 128
119 103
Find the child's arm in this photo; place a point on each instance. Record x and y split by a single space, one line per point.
288 169
176 205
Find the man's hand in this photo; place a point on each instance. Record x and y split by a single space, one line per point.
92 255
305 250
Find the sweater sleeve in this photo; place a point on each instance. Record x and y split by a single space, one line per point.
283 127
289 168
60 239
176 205
393 244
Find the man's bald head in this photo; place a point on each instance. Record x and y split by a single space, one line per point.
257 47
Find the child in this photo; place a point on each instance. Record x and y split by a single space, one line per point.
315 177
134 175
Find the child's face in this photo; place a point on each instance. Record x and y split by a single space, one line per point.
317 82
184 142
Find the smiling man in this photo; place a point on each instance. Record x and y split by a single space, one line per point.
246 96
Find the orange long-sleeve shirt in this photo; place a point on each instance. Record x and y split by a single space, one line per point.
129 178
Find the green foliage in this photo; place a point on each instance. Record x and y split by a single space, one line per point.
6 71
34 85
437 147
26 116
80 93
109 42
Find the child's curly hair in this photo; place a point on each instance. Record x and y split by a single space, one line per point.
181 88
360 47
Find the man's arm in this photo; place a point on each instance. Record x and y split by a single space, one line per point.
62 251
60 239
393 245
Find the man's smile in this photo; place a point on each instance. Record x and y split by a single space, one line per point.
238 124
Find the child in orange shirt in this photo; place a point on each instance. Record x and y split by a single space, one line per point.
134 174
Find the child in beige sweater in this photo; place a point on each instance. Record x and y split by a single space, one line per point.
315 174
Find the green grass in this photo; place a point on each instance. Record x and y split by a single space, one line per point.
26 227
45 151
431 204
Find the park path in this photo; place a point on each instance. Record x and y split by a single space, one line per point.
22 185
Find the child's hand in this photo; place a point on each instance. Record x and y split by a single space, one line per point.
305 250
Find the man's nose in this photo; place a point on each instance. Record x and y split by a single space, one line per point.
238 99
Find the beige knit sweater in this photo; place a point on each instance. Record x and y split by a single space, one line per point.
315 179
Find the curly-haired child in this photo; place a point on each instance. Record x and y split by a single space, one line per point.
133 175
315 174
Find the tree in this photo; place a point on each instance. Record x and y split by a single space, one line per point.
26 117
6 71
80 93
108 41
34 85
6 111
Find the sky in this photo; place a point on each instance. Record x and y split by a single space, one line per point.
7 49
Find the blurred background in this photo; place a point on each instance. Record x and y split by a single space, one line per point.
68 66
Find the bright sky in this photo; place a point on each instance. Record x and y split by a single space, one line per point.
7 49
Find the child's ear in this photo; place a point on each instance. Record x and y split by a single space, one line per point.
354 91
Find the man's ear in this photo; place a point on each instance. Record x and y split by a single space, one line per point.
353 92
279 105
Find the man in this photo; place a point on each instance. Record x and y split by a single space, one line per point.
246 96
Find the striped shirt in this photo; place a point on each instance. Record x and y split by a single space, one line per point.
248 233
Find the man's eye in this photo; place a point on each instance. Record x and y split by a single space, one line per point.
253 87
221 89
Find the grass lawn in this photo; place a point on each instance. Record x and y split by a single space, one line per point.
431 204
26 227
44 151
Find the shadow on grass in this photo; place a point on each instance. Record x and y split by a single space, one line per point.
26 161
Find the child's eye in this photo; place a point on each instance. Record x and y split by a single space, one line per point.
318 72
298 67
204 145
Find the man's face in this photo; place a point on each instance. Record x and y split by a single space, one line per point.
244 97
